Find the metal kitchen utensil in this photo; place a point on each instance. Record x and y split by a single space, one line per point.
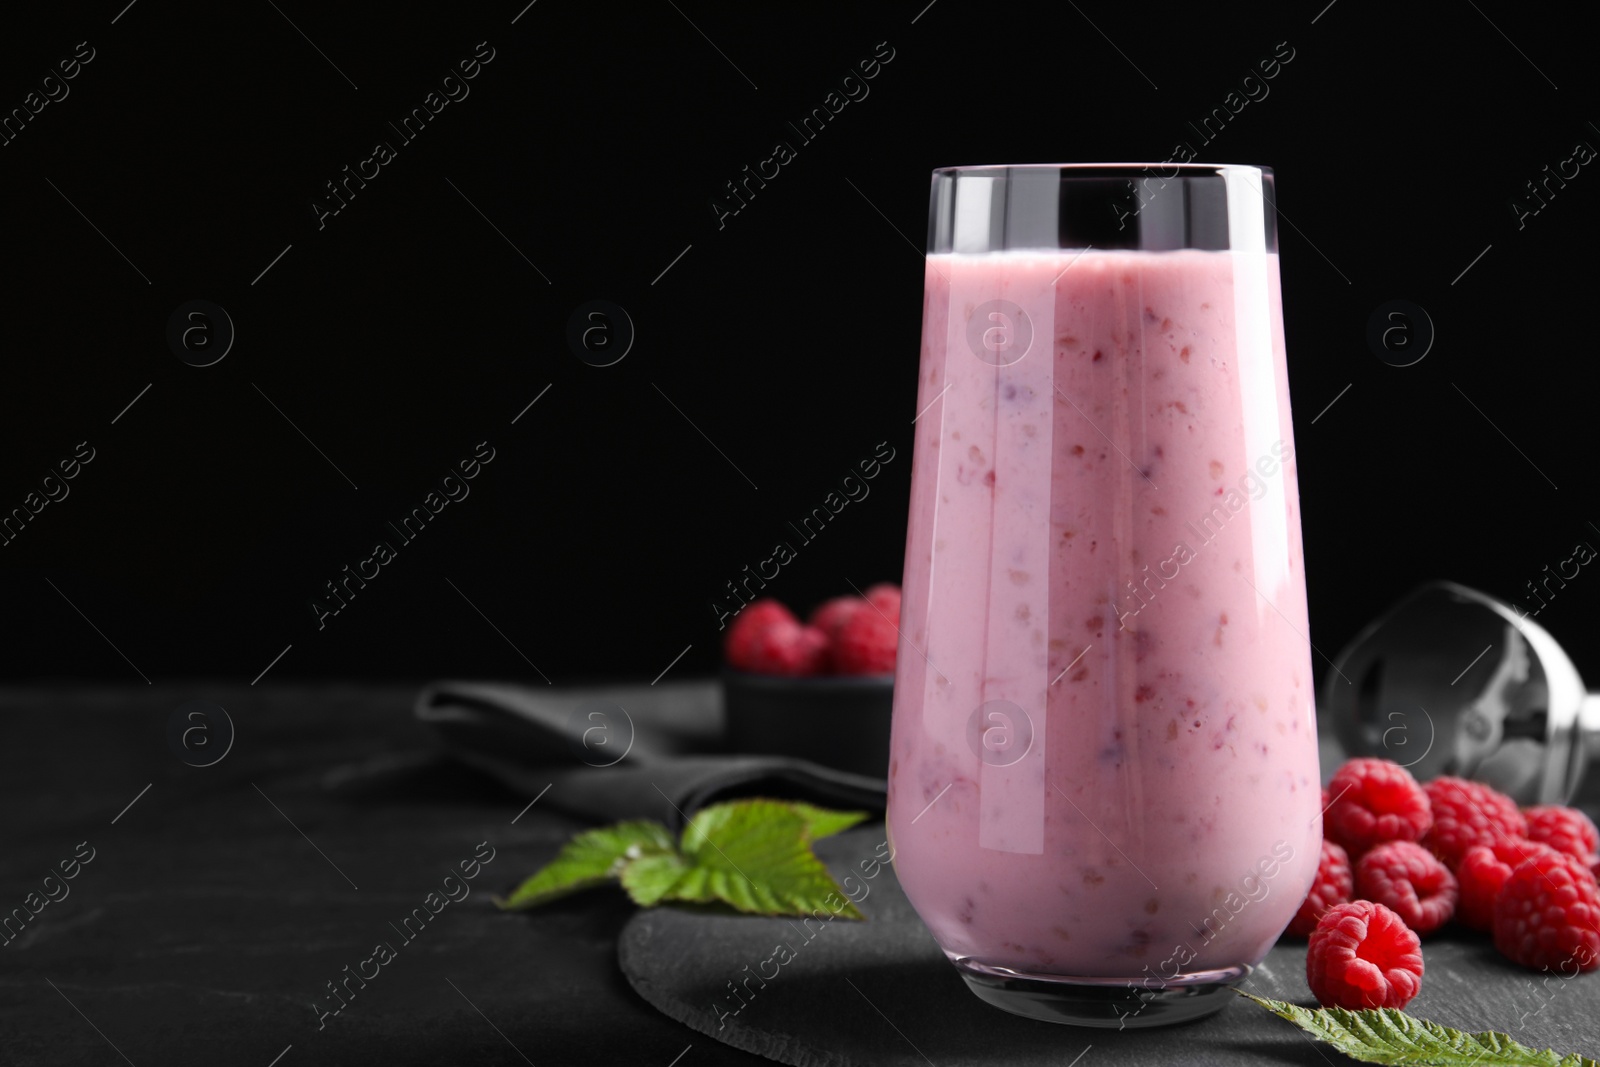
1454 681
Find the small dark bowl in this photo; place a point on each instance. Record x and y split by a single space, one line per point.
839 721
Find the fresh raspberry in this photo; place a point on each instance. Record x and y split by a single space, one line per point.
865 644
1469 813
1481 873
1373 801
1333 885
767 639
1565 830
747 625
886 597
1409 880
787 648
1363 956
833 614
1547 915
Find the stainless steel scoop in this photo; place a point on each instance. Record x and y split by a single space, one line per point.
1453 681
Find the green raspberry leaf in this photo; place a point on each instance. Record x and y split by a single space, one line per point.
756 856
822 822
590 859
650 878
1390 1036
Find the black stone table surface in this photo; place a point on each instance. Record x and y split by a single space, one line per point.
217 907
219 902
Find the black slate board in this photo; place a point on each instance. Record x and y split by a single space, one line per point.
880 993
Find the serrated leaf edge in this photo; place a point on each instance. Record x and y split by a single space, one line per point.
787 905
613 871
1492 1048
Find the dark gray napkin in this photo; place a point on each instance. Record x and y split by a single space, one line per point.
622 752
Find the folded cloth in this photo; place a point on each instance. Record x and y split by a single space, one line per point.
631 752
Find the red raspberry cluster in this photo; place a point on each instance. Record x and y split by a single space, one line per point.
845 635
1400 859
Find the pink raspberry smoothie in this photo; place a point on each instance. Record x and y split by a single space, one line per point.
1104 759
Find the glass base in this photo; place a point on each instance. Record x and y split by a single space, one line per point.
1107 1003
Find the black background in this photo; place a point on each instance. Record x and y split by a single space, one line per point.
407 329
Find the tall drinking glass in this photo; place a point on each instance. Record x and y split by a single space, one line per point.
1104 797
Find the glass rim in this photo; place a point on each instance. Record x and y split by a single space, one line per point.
1104 167
1152 207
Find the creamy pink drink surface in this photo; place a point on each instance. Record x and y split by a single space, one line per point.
1104 553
